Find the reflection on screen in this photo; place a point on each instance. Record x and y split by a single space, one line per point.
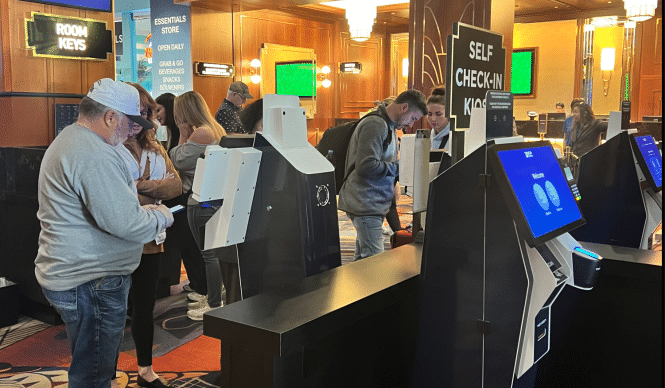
541 188
652 157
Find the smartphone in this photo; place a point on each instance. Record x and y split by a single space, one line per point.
177 209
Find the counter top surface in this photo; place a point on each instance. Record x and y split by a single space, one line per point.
630 255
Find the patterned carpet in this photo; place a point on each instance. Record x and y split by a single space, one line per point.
36 355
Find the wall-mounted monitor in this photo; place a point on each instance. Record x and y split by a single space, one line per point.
295 79
535 189
95 5
649 159
523 72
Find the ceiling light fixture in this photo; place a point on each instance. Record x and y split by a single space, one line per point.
640 10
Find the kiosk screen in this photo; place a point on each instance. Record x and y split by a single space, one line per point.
535 189
649 159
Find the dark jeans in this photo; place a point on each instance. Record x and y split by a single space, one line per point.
180 237
393 217
94 314
142 298
217 272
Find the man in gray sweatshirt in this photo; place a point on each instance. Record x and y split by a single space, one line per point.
368 191
93 229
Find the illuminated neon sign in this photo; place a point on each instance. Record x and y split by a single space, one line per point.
67 37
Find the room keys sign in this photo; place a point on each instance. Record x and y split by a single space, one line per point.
67 37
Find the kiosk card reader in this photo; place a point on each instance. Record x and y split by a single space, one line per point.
496 255
277 202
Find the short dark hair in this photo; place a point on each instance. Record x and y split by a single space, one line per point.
560 104
91 109
415 99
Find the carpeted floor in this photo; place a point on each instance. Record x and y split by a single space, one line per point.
36 355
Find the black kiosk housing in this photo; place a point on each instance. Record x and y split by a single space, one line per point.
490 271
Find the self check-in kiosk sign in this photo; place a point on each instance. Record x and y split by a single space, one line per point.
476 63
67 37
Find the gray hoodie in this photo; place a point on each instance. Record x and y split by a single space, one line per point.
369 189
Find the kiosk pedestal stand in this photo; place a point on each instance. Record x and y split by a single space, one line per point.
488 278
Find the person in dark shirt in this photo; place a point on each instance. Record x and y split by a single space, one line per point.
568 123
586 129
228 113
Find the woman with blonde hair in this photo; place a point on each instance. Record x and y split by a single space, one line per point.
156 180
198 129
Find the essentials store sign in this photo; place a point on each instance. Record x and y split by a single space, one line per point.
67 37
476 63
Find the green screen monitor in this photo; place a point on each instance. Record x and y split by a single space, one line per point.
523 72
295 79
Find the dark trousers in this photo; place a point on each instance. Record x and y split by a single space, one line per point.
142 299
179 237
393 217
220 264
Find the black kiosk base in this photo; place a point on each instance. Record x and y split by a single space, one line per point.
350 326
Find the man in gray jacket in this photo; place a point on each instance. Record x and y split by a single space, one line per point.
93 229
373 163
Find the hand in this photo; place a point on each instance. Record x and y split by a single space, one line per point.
164 210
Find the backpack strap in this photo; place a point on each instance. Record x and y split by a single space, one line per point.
386 141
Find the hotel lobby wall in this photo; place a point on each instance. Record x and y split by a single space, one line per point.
29 120
348 95
648 92
555 79
555 61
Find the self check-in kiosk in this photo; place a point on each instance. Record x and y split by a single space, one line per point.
620 183
496 255
278 215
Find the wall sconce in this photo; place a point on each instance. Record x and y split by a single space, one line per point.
325 82
607 56
256 66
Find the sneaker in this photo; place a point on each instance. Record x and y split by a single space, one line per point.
195 297
197 315
198 305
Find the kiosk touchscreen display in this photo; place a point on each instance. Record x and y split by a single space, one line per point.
649 159
536 190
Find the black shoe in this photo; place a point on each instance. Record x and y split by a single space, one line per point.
151 384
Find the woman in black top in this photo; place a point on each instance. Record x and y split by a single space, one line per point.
586 129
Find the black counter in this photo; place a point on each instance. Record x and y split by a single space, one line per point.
319 331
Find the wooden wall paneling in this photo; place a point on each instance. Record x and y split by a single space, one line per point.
29 121
212 41
359 91
65 75
28 73
649 89
94 70
5 45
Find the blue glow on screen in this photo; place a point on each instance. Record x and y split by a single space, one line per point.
652 157
541 188
102 5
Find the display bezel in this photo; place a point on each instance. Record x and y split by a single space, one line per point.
641 161
54 2
501 178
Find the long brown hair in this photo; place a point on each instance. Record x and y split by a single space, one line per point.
586 114
146 138
191 108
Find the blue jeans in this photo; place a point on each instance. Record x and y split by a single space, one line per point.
94 314
197 217
369 236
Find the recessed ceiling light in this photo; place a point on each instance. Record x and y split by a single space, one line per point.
556 6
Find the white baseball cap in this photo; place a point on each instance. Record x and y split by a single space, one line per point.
121 97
